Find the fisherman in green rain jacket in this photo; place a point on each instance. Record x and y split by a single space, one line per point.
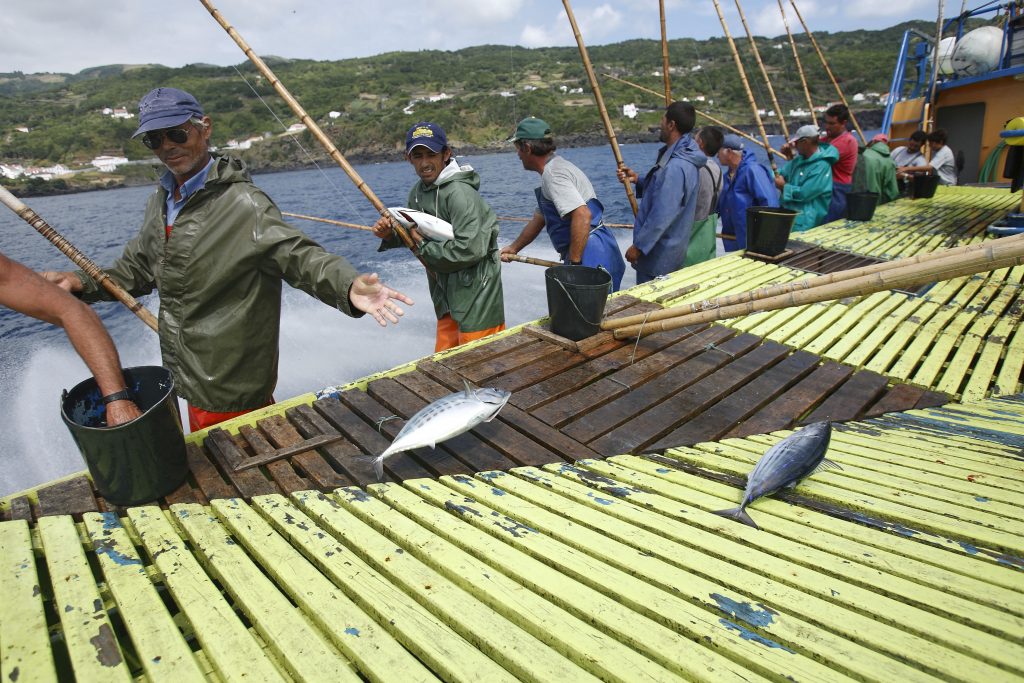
806 181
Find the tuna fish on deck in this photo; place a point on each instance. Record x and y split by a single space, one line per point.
797 456
444 418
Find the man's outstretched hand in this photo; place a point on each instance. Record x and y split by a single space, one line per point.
369 295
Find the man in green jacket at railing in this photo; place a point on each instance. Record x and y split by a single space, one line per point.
217 249
876 171
806 181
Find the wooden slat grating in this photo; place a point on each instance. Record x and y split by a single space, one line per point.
599 570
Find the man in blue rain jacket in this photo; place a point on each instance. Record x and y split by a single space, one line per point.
668 198
745 183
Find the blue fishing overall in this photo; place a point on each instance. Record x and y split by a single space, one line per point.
602 251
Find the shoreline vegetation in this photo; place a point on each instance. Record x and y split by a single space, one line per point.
365 105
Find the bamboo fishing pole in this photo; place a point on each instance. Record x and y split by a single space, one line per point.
709 117
664 54
746 85
600 103
931 259
988 259
764 71
343 224
313 127
532 261
521 219
935 70
77 257
799 66
824 63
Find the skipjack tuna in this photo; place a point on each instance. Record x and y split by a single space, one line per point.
797 456
444 418
430 226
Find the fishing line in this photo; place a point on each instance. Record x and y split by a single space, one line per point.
305 151
380 423
633 355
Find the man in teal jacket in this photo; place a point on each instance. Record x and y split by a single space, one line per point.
876 171
465 272
806 181
217 249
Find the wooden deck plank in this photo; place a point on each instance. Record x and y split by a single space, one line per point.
228 455
946 341
92 646
208 479
226 641
375 653
367 439
436 460
283 474
642 416
983 371
851 399
785 410
1008 381
310 463
20 509
540 370
344 456
897 399
428 637
673 569
523 422
592 396
818 575
717 420
486 371
25 653
69 497
508 447
587 647
163 653
463 358
302 649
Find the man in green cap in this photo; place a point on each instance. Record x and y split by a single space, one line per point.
566 205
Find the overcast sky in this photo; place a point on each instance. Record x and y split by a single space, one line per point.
70 35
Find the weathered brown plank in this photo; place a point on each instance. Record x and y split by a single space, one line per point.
438 461
469 448
484 352
717 420
208 479
281 471
21 508
539 433
182 494
783 411
648 382
932 399
311 463
582 402
482 374
707 379
566 382
899 398
538 371
343 455
850 401
71 497
227 454
497 433
368 439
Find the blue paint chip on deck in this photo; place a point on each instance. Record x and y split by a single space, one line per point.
598 499
116 556
110 520
968 548
744 611
497 492
747 634
981 499
663 470
352 631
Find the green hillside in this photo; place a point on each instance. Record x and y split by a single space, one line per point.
63 111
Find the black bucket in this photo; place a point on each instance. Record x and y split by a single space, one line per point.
768 229
923 185
138 461
860 206
576 299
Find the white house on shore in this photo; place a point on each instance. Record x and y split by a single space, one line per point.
108 163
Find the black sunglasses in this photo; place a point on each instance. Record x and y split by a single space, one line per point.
155 138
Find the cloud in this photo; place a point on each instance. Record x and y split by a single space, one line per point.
595 24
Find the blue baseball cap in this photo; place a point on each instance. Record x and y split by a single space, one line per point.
732 141
429 135
166 108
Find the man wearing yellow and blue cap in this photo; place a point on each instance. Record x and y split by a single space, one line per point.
465 271
566 205
217 249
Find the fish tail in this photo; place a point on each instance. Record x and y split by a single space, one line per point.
378 467
738 514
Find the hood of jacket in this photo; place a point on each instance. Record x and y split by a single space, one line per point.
826 154
880 148
455 173
686 148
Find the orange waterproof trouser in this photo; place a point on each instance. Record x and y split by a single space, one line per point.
448 335
201 419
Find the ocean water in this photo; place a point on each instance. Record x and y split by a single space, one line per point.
319 345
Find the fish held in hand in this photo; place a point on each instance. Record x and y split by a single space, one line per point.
444 418
429 226
783 465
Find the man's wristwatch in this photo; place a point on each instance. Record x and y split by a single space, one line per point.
123 395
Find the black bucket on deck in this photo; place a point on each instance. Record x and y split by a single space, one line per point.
768 229
923 185
576 299
138 461
860 206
